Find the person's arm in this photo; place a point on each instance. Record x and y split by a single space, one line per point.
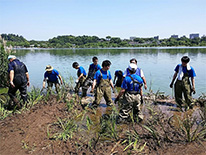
27 77
145 83
173 79
44 83
111 84
60 78
114 79
193 85
80 76
93 85
119 95
11 77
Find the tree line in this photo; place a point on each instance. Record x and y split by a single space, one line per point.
69 41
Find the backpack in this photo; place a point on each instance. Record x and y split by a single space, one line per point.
19 74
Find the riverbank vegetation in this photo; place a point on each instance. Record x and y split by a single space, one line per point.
69 41
71 127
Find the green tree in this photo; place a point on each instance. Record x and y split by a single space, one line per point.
4 65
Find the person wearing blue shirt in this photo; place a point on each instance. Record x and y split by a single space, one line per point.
93 68
81 74
140 73
18 80
131 100
184 73
119 76
103 84
51 76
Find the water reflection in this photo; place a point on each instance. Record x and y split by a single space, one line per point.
157 63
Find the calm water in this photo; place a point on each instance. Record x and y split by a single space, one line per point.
157 63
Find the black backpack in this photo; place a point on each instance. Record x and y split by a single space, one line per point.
19 74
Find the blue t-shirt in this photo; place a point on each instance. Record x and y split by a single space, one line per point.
138 72
97 75
118 75
80 71
93 67
53 76
127 83
11 65
184 69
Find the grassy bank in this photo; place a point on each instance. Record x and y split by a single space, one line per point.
87 130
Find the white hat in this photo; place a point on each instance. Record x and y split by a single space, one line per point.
11 56
132 67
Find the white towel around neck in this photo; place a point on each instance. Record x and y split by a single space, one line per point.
180 71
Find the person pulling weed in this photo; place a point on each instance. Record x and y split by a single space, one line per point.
51 76
81 73
93 68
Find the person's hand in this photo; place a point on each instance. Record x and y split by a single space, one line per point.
171 85
116 100
114 91
76 81
145 86
61 82
43 85
92 91
12 84
28 83
193 90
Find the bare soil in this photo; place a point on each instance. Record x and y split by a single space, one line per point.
26 133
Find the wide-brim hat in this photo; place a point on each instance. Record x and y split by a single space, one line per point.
49 68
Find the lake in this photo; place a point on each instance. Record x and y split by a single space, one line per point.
157 63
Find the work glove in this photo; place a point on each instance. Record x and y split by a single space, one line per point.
171 85
116 100
193 90
76 81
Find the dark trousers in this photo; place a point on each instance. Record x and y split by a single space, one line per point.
23 92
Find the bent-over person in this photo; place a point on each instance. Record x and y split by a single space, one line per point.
51 76
81 74
18 79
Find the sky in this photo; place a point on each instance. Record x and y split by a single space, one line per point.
45 19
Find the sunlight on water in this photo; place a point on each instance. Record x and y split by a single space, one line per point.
157 63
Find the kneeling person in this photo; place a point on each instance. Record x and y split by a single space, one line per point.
131 87
103 84
51 76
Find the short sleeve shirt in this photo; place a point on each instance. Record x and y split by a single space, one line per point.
127 83
53 76
11 65
138 72
93 67
184 69
105 75
117 74
80 71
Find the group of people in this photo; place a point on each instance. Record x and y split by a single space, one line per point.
100 80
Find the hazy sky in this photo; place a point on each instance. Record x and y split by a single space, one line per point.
44 19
